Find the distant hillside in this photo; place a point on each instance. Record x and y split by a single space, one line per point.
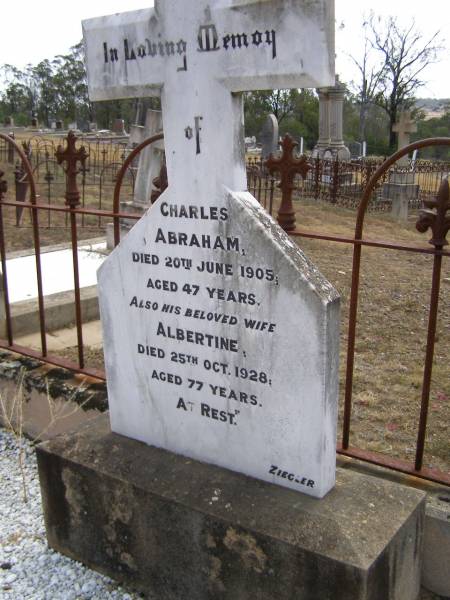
433 107
432 103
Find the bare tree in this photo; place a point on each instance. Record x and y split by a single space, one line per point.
392 66
371 72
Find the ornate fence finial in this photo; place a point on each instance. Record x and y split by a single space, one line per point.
3 186
439 221
71 156
288 166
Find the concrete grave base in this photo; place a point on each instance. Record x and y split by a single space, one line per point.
435 572
59 312
179 529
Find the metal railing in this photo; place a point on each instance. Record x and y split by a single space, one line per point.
264 185
343 183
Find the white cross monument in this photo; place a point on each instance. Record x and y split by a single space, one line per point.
220 337
196 54
403 128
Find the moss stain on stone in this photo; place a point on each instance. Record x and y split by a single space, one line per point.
243 544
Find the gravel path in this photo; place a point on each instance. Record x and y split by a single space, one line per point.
29 570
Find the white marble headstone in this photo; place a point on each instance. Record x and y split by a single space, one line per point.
269 136
221 339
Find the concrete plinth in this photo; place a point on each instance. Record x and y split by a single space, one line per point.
179 529
435 573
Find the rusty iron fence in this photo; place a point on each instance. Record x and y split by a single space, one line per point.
96 181
335 181
343 183
290 174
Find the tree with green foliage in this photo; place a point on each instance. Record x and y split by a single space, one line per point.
57 89
435 127
297 112
257 105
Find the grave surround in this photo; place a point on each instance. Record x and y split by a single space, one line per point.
176 528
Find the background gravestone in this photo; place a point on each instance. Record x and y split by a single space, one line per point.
336 95
401 188
150 159
355 149
118 127
323 143
148 165
269 136
331 105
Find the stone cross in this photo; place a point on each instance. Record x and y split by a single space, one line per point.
220 337
404 127
196 55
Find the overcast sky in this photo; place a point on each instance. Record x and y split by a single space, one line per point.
33 31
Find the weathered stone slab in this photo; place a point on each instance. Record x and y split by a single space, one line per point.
228 343
435 572
178 529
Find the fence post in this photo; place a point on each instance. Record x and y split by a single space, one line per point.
288 166
21 182
316 177
5 314
335 182
71 156
160 182
439 223
11 149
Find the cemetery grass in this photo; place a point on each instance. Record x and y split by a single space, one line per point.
391 330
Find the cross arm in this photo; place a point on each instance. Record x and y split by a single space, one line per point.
269 44
125 55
